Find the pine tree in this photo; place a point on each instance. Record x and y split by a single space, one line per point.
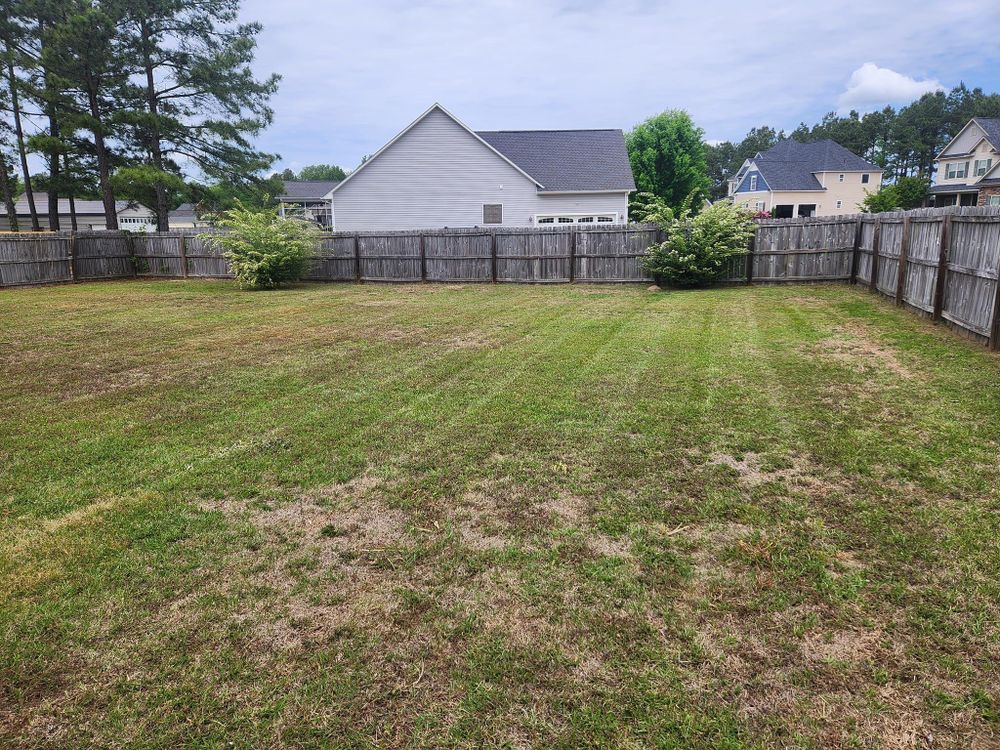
198 99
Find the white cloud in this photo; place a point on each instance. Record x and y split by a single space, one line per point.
871 87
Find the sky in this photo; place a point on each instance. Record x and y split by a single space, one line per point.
356 73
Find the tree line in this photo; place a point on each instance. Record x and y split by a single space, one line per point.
121 99
672 163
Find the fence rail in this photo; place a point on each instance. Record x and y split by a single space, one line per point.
942 262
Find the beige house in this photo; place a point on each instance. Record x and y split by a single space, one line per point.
804 179
968 169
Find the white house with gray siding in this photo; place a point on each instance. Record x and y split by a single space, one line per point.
440 173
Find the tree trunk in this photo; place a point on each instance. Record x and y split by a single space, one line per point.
50 111
72 197
19 134
155 147
103 164
8 195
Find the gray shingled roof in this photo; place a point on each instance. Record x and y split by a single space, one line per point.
82 206
567 160
790 165
308 188
991 125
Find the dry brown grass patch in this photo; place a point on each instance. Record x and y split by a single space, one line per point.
856 347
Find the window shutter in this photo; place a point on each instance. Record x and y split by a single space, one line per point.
492 213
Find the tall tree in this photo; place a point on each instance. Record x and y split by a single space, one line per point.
198 99
85 60
13 37
668 158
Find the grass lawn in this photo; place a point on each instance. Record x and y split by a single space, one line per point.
494 516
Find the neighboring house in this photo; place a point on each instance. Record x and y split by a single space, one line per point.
89 215
310 199
805 179
968 169
183 217
439 173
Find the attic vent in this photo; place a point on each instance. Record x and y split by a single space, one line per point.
492 213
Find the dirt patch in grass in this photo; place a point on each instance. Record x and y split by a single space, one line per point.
795 471
856 347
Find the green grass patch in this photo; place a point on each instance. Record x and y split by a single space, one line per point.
450 516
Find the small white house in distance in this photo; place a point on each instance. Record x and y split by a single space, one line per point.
440 173
89 214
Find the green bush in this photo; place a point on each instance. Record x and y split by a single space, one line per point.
902 195
697 249
264 248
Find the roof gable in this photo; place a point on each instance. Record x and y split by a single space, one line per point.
752 170
408 128
568 160
989 127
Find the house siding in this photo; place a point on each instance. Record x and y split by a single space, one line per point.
745 184
437 174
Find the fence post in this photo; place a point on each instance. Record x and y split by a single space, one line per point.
493 255
995 324
904 254
131 252
572 256
942 269
876 245
856 255
750 254
423 259
357 260
72 256
184 256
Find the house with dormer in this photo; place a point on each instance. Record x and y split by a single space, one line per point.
804 179
968 168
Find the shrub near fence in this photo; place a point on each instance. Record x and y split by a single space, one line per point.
941 262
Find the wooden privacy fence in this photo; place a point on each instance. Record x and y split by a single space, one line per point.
941 262
529 255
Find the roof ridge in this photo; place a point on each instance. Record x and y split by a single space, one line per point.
555 130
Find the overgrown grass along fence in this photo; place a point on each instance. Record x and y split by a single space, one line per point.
941 262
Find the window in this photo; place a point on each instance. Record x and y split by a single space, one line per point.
576 219
956 170
983 166
995 200
840 179
492 213
753 182
759 206
840 204
865 178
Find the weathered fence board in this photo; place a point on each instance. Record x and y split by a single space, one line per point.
804 250
942 262
103 255
39 259
970 286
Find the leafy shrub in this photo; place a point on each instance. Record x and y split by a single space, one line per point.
697 249
264 248
647 208
902 195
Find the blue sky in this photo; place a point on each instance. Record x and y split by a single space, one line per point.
355 73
